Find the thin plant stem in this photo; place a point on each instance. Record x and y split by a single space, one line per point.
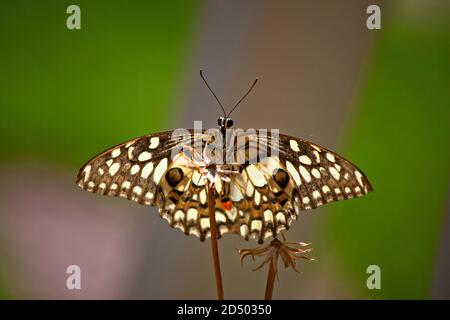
214 247
270 280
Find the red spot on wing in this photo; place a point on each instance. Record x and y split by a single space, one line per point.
228 205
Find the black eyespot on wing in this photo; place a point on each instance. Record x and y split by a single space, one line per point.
174 176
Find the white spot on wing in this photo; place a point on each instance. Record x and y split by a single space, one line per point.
305 159
204 223
243 230
154 142
198 179
203 196
294 173
256 176
149 195
159 170
330 157
315 147
87 172
305 174
220 217
317 156
115 153
218 185
179 215
268 234
194 231
315 173
114 168
235 192
130 153
280 217
268 216
137 190
249 190
192 214
135 169
145 156
257 198
148 168
334 173
256 225
359 178
223 229
129 144
231 214
294 145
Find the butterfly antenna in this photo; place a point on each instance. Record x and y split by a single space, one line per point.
206 82
245 95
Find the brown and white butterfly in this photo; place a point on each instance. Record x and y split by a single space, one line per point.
256 199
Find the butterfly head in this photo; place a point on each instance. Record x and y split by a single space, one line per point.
225 123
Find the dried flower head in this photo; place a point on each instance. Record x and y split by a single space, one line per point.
288 251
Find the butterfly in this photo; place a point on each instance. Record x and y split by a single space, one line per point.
276 177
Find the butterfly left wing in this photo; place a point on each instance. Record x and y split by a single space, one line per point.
321 176
131 169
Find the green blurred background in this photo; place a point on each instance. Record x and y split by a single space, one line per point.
379 97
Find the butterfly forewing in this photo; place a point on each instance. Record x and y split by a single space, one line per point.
130 169
321 176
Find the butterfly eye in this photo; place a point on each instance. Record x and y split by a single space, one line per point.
220 121
229 123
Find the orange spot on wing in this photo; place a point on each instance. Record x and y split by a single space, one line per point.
228 205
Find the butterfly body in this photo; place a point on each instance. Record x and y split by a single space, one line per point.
261 182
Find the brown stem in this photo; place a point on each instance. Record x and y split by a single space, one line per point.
270 281
215 250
